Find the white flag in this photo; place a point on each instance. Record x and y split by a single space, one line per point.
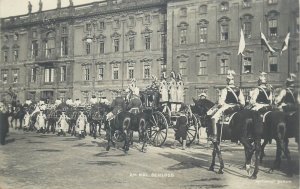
242 44
285 43
266 43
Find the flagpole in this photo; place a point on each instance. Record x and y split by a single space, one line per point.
241 69
262 51
289 66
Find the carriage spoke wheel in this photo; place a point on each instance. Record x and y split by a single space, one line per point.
157 129
191 130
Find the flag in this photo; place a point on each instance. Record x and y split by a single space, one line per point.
265 43
285 43
242 43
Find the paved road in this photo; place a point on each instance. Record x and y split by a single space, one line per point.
35 161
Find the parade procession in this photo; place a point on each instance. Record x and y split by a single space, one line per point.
127 93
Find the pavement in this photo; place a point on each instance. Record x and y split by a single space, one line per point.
34 161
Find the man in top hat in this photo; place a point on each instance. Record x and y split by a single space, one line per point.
261 97
288 98
180 92
77 102
173 92
93 100
58 101
69 102
231 97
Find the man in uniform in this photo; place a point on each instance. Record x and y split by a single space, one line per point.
28 102
288 98
69 102
202 96
231 97
133 88
180 92
173 92
77 102
118 105
93 100
261 97
135 104
163 91
58 101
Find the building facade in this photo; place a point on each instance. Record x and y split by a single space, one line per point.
93 49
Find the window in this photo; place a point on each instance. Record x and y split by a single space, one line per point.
86 73
34 49
33 75
130 72
272 1
63 73
116 45
163 41
203 34
183 12
102 25
4 74
50 45
64 46
182 67
34 34
247 64
131 43
49 75
88 48
224 6
246 3
247 29
273 27
147 19
183 36
16 37
16 55
147 71
116 23
203 9
224 32
15 73
273 64
115 72
202 67
101 47
223 65
64 30
100 72
131 21
147 42
5 56
88 27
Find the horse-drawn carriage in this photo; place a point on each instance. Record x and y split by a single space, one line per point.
159 118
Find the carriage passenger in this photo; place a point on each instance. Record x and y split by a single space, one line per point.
135 104
62 123
173 92
231 98
180 92
133 88
163 91
288 98
261 97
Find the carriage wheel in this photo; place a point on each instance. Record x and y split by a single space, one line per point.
191 130
157 128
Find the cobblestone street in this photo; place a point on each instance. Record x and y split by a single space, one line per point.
34 161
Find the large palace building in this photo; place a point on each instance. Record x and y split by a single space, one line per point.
95 48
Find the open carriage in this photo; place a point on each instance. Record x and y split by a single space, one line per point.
160 118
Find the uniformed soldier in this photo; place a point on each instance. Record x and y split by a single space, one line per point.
69 102
133 88
58 101
173 92
180 92
93 100
163 91
63 123
81 123
288 98
261 97
231 97
28 102
118 105
77 102
41 122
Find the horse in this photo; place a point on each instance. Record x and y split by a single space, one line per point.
97 117
243 125
52 117
16 114
277 126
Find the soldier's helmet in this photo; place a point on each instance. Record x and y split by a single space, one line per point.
290 81
163 76
173 75
179 76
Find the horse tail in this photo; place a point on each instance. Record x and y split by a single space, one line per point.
281 130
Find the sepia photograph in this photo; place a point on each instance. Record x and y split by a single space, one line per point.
149 94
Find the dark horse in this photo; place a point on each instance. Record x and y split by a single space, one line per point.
280 126
97 117
244 126
17 114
